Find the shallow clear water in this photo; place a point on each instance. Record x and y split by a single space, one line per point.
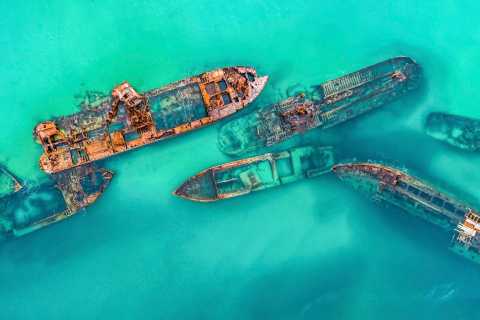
311 250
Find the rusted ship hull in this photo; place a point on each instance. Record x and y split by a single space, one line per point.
323 106
390 185
128 120
248 175
458 131
28 208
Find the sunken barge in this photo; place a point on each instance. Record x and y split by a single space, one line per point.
393 186
257 173
323 106
129 120
458 131
25 208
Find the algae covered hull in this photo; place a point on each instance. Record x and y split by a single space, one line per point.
248 175
26 208
323 106
387 184
129 120
461 132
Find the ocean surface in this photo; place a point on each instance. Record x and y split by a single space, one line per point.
310 250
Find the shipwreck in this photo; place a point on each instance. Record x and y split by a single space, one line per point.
458 131
257 173
28 207
390 185
128 119
323 106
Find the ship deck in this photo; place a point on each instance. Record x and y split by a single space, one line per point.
247 175
405 191
129 120
173 108
333 102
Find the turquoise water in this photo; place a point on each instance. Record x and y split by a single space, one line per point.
311 250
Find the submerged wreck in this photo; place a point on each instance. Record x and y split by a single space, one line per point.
390 185
129 120
248 175
24 209
9 183
324 106
458 131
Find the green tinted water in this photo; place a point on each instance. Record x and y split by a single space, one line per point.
310 250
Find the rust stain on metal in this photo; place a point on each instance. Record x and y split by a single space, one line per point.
129 120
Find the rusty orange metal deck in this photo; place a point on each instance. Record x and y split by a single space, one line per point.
128 119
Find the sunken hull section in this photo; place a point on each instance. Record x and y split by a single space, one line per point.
461 132
52 200
390 185
248 175
323 106
9 183
128 120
